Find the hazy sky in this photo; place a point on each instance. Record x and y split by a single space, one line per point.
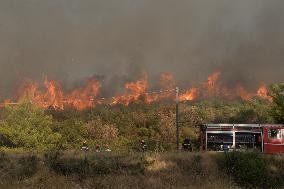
70 40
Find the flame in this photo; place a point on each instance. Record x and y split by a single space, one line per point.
52 95
167 84
243 93
135 90
212 85
84 98
189 95
262 92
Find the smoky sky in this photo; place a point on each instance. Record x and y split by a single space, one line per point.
117 40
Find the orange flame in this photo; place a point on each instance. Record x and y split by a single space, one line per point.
243 93
84 98
262 92
52 94
167 84
135 90
189 95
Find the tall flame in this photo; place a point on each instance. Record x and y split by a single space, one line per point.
189 95
262 92
212 85
84 98
53 95
135 90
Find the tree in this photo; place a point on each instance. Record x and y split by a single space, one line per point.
97 129
72 130
26 125
277 94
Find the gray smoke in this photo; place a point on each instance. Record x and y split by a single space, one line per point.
70 40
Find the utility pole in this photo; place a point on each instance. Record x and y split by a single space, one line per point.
177 116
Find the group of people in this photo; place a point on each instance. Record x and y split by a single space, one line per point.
186 145
98 148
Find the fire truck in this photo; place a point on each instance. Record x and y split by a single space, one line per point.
266 138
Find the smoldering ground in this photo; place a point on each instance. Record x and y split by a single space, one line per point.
70 40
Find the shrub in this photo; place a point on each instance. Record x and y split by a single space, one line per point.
99 130
27 126
248 169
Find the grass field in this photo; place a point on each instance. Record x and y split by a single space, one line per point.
132 170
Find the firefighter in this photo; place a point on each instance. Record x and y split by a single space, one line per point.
186 145
84 146
226 148
143 146
98 148
107 148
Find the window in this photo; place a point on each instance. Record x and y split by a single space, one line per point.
276 133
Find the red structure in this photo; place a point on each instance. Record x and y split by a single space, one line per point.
266 138
273 138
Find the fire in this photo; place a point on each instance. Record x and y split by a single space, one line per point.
51 94
212 85
138 91
135 90
167 84
262 92
189 95
243 93
84 98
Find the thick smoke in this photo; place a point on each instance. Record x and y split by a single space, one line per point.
70 40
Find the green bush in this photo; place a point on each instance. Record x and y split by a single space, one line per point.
27 126
254 170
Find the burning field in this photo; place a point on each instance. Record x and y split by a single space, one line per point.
51 94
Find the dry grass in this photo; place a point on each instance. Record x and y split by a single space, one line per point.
165 170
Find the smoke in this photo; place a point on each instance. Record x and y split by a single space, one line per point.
70 40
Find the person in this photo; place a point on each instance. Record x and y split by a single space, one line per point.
85 146
98 148
186 145
226 148
143 146
107 148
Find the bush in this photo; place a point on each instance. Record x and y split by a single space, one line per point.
27 126
254 170
99 130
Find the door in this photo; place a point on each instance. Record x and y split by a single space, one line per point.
273 139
